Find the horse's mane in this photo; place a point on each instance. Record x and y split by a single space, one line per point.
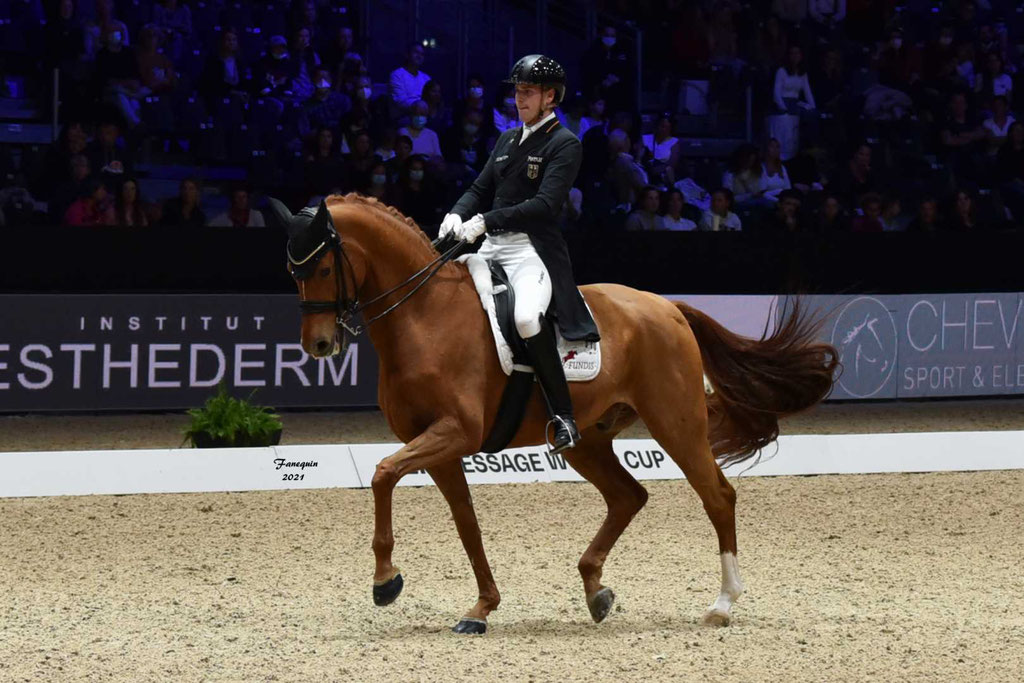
410 227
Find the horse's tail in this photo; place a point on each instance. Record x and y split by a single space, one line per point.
757 381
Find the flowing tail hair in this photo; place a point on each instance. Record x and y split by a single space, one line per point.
756 381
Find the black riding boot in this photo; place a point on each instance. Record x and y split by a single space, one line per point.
543 351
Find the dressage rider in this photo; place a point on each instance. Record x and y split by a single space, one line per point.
516 201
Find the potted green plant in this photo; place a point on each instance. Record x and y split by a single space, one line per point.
225 421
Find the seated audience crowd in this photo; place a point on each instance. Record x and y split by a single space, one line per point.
867 117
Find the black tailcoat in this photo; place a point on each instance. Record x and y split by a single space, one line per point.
523 188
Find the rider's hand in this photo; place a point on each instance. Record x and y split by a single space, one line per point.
451 223
472 229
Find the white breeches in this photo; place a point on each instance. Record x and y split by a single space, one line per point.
530 280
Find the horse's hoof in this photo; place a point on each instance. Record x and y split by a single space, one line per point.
717 618
470 626
386 593
600 604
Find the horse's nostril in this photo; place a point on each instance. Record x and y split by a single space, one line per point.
322 347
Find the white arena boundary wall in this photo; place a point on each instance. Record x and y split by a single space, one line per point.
66 473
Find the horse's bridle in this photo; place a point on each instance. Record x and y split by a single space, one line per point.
345 308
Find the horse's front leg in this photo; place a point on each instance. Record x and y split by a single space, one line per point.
444 441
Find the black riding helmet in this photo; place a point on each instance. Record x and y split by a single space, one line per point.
542 71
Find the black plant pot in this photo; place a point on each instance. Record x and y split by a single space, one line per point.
204 440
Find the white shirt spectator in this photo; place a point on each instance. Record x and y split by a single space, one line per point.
823 11
774 184
666 222
998 131
424 142
712 222
1001 85
407 87
661 151
639 221
790 86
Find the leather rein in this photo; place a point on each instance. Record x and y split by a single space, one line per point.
345 308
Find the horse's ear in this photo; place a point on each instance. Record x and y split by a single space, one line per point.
322 222
281 213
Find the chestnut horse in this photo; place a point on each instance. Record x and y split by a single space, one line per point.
441 383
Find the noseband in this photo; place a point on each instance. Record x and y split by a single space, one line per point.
345 308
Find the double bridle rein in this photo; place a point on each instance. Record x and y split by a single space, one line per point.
345 308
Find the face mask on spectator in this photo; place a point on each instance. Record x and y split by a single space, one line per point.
476 92
367 92
419 122
609 41
471 128
379 178
416 175
114 38
279 55
324 84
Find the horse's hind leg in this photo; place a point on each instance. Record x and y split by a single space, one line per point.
681 427
595 460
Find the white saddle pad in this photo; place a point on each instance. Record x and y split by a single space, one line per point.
581 360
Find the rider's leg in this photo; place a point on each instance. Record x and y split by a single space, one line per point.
532 285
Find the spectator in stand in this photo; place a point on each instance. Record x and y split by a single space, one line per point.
774 177
965 65
723 40
93 208
870 219
129 207
415 198
378 184
673 218
474 99
1009 171
745 176
465 143
595 118
424 140
804 174
893 219
645 215
609 71
396 165
17 206
239 214
275 70
439 116
325 108
108 154
407 81
786 217
223 73
505 114
305 61
117 77
898 64
360 160
174 19
772 43
832 217
627 178
69 190
360 116
994 81
324 169
927 219
156 71
720 217
304 15
97 32
71 142
792 93
385 150
184 210
962 217
997 125
661 151
856 177
340 50
827 15
938 52
959 138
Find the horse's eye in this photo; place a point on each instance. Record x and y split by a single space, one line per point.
324 272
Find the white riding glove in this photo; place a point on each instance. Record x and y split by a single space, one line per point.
472 229
451 223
